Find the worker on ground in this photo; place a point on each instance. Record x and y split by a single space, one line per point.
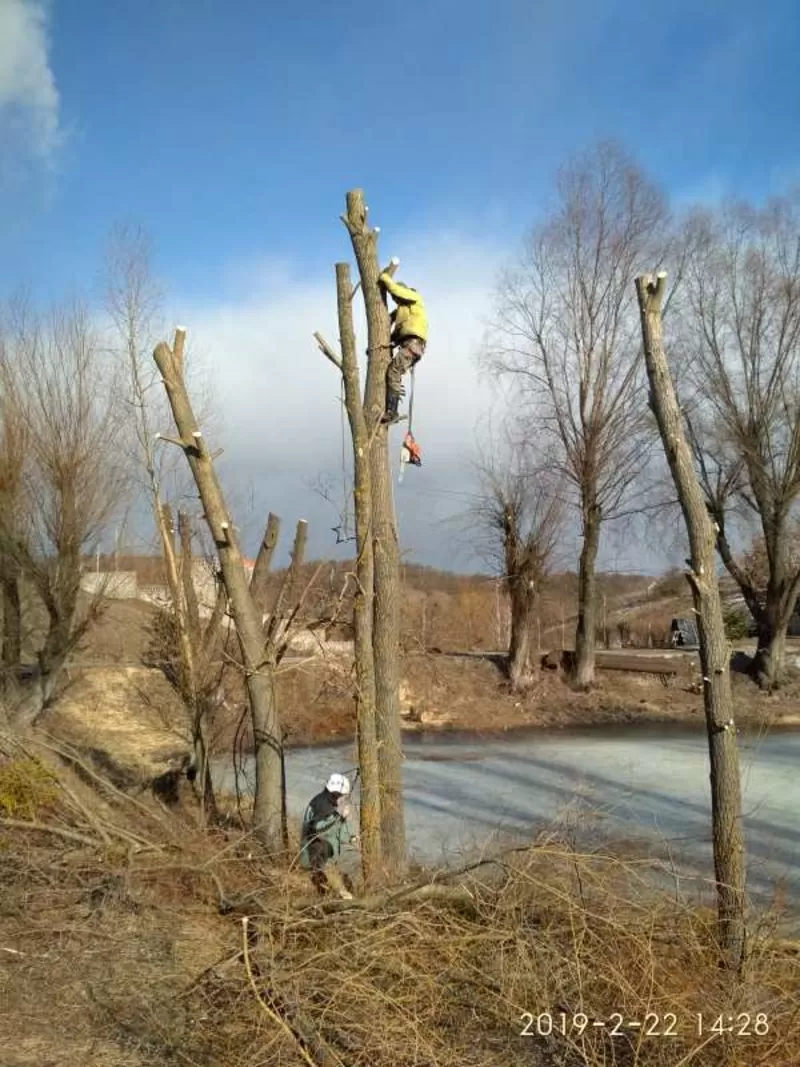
409 339
325 829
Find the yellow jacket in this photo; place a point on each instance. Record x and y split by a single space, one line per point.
409 318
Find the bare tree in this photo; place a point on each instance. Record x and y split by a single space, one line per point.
522 514
726 800
64 477
567 334
133 301
742 336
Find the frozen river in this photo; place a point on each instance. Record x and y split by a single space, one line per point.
649 783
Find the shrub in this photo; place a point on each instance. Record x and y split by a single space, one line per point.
27 788
737 623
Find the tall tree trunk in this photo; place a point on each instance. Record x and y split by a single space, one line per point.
522 594
386 628
363 606
726 801
585 633
267 739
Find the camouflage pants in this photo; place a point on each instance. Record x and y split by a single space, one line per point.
409 352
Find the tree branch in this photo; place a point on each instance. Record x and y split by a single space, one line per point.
326 350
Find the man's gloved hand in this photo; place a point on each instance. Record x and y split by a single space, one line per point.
355 839
344 809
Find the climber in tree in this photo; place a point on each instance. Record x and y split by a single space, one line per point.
409 338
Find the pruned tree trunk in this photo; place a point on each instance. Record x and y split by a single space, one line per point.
726 802
365 583
585 632
386 625
259 579
267 740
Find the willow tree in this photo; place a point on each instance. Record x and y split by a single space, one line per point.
742 339
63 480
566 334
521 516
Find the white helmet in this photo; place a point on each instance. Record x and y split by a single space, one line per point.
338 783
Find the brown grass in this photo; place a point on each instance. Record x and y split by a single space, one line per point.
114 952
131 713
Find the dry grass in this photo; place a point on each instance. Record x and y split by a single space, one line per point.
131 712
113 951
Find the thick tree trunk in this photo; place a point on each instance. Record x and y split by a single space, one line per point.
365 581
770 658
726 802
585 633
769 662
267 805
386 629
522 594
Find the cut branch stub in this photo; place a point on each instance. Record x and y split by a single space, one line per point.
259 580
326 349
277 628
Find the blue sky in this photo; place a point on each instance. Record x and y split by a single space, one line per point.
232 131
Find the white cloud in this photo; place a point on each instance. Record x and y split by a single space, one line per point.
29 98
279 397
279 393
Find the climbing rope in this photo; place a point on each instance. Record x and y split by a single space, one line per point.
345 492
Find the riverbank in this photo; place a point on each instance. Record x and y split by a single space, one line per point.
645 784
191 946
466 694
